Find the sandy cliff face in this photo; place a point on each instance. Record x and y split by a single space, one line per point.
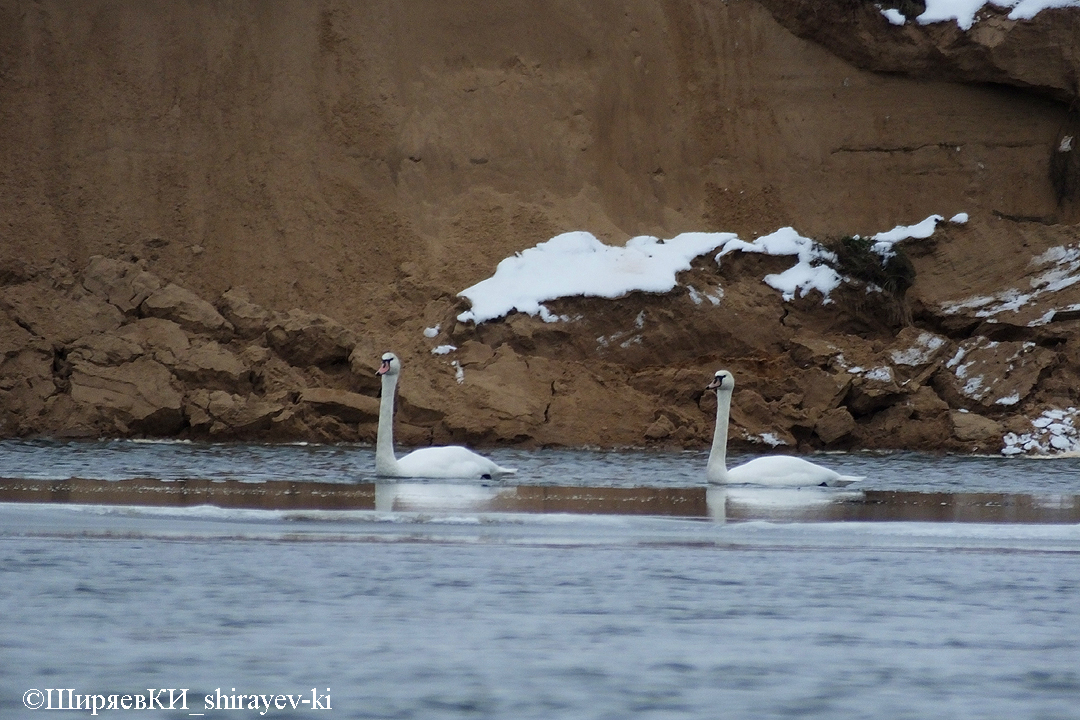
363 163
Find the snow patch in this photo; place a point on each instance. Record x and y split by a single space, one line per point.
1053 432
879 374
893 15
884 241
921 352
964 11
578 264
766 438
809 273
443 350
698 297
1064 271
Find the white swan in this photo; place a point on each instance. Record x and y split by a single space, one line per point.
776 470
452 461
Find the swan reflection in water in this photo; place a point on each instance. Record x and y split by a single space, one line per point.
781 503
718 503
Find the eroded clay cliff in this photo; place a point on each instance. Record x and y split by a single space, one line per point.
216 215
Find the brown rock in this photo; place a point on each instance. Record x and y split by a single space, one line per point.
123 284
756 420
278 376
138 395
14 338
196 410
305 339
26 384
254 355
915 354
208 364
364 361
236 415
917 348
249 320
925 403
104 349
971 427
472 352
898 427
163 339
14 271
661 428
834 424
346 406
504 396
1038 53
58 317
822 390
186 309
873 389
809 350
992 375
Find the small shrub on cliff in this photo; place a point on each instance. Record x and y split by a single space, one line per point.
856 258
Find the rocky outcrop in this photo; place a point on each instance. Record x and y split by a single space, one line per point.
823 375
123 284
349 407
136 397
187 310
1039 54
306 339
248 319
113 350
33 306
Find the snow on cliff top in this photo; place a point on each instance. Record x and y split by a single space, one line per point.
964 11
577 264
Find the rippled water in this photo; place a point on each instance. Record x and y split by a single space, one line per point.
111 460
438 604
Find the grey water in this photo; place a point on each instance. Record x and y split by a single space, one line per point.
541 598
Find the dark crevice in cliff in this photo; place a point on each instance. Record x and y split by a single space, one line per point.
61 369
950 146
1065 158
1039 219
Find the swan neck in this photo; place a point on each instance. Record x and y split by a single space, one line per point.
717 466
385 461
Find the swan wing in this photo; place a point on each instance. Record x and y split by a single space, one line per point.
452 461
787 471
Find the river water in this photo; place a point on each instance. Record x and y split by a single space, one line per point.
594 585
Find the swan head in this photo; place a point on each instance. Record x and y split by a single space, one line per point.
390 365
722 380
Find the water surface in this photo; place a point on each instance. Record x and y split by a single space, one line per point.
597 585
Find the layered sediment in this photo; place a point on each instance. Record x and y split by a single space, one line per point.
215 216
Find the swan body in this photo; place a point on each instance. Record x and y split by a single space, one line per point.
774 470
452 461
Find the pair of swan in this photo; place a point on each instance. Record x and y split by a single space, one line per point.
457 462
